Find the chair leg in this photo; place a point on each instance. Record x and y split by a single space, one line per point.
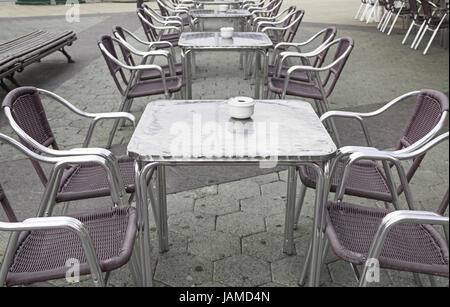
422 35
394 22
381 22
355 272
387 22
430 41
364 12
416 38
359 10
65 208
408 32
299 205
306 266
372 11
115 125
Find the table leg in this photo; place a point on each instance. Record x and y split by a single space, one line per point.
323 179
143 223
163 233
188 63
257 73
290 211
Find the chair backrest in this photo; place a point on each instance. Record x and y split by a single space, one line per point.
6 206
114 68
127 55
428 111
414 9
277 5
163 10
329 35
334 73
149 32
28 113
298 17
427 10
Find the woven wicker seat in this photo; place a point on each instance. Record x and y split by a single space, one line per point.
42 255
412 247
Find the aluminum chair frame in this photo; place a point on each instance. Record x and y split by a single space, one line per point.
427 23
166 21
101 152
42 222
415 21
289 10
355 154
392 13
361 117
132 81
154 35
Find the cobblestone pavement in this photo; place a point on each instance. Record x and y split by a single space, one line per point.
230 233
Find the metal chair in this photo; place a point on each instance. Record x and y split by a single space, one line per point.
285 33
41 248
170 12
25 113
432 23
317 90
367 178
402 11
151 29
327 34
279 18
417 20
171 68
133 86
400 240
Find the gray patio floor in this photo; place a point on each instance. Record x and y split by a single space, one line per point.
226 223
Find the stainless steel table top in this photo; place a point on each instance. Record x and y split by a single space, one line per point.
213 40
218 2
201 131
231 13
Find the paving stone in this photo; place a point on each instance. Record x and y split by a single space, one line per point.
216 205
342 274
211 284
263 205
179 202
183 270
240 223
266 246
287 271
178 244
201 192
275 224
188 223
239 189
274 189
272 177
214 245
242 271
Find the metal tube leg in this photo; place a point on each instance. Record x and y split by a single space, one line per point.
372 11
408 32
188 75
290 211
306 266
257 75
299 204
421 37
381 22
364 12
394 22
163 227
115 125
413 44
359 10
431 40
316 230
387 22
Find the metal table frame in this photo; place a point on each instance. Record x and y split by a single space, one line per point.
148 170
261 51
243 17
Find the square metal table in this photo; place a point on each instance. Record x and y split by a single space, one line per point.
200 132
239 16
191 42
233 3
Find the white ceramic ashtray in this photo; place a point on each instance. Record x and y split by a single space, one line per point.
241 107
223 8
226 32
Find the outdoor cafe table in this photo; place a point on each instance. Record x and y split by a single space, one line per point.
191 42
234 14
201 133
233 3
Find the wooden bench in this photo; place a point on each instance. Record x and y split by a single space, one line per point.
18 53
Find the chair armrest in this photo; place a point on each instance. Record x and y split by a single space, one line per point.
389 222
101 116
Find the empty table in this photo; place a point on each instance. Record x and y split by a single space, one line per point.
212 41
190 132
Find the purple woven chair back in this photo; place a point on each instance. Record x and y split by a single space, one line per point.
334 73
127 56
427 10
7 207
277 9
150 33
330 33
163 10
28 112
413 7
298 16
426 114
114 69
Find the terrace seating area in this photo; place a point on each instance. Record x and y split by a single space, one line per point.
283 119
